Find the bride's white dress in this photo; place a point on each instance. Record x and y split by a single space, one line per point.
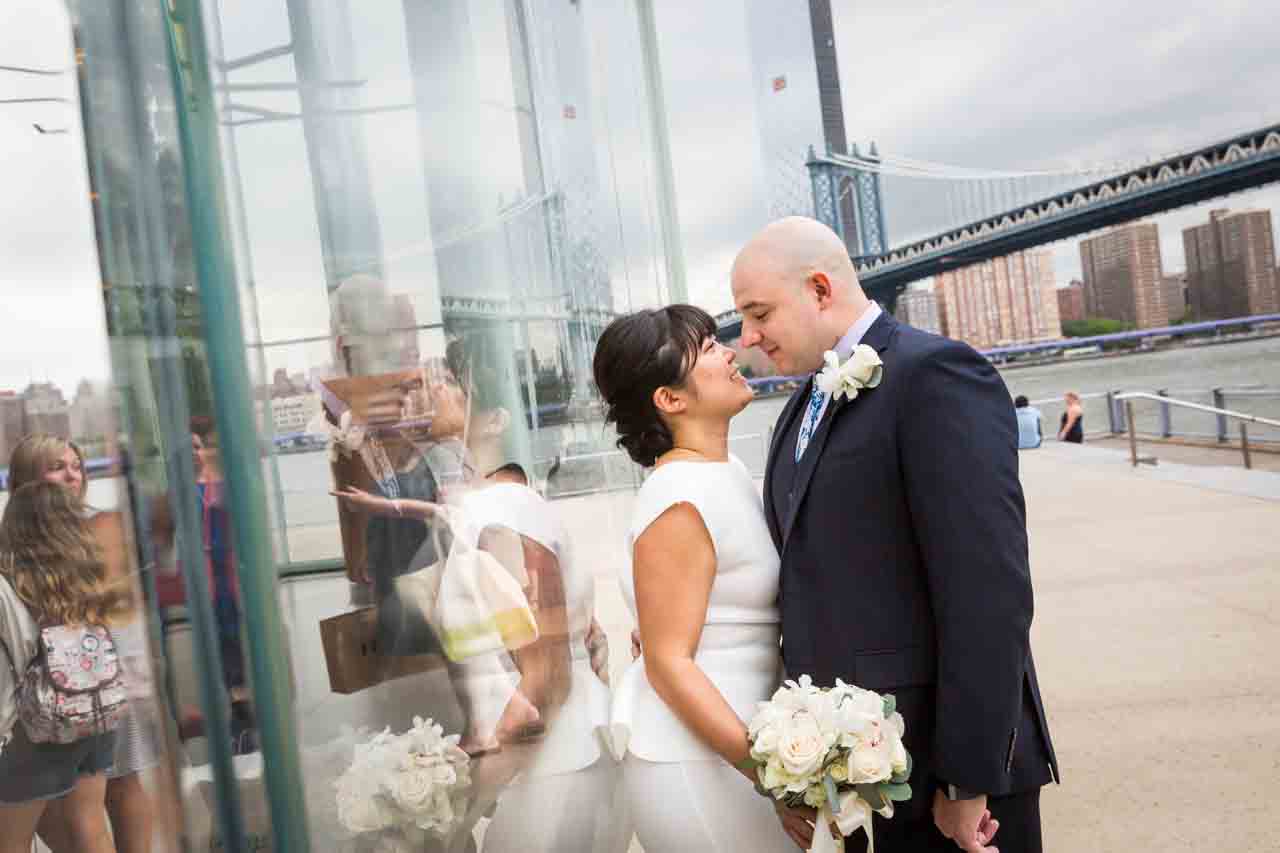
682 795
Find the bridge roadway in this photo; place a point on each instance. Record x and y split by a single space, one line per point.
1155 636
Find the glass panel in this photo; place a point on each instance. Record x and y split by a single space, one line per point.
431 216
430 237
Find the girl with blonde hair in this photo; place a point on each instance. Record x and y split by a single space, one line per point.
51 573
96 542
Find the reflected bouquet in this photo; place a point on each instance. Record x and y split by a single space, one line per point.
836 749
405 787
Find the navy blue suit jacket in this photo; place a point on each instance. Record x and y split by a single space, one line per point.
904 561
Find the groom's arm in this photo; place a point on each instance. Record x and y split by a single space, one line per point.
958 440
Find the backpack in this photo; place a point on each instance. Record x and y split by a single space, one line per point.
73 689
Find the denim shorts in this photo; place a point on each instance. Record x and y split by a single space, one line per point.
46 771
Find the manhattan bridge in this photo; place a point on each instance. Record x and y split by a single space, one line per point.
981 214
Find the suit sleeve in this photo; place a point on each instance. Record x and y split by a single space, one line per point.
958 437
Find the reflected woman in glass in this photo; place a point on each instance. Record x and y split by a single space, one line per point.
567 797
52 573
550 716
47 458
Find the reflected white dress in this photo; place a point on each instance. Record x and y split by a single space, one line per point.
567 799
682 795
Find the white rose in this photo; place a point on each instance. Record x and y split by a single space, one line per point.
363 814
897 756
439 817
774 777
863 369
868 763
412 790
864 366
802 745
857 715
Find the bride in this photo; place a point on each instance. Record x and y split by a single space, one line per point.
703 585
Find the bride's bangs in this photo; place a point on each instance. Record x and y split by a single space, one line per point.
690 328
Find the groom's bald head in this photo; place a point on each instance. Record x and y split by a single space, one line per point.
792 249
797 291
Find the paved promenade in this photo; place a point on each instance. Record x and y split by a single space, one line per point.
1156 635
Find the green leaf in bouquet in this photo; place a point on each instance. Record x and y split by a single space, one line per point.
890 705
899 778
833 798
897 793
872 794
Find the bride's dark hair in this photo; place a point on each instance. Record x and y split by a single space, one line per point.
637 355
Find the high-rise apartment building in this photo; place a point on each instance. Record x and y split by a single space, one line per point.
13 415
1231 269
1071 302
46 410
1175 295
1003 301
919 308
1122 276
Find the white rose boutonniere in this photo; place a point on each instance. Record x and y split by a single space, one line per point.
863 369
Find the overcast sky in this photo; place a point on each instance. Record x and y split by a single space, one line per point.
1033 85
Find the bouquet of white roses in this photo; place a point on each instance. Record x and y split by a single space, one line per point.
836 749
405 787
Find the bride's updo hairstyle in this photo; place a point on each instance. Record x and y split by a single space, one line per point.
637 355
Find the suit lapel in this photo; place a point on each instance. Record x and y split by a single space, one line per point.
878 336
780 431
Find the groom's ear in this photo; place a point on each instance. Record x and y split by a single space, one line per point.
667 401
821 286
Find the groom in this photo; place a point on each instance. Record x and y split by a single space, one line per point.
901 525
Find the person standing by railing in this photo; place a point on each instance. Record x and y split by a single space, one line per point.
1072 426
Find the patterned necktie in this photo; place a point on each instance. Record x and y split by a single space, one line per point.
810 423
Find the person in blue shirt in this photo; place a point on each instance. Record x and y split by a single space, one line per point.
1029 434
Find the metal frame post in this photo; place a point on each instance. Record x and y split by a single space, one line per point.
271 678
1133 435
1113 413
1166 415
668 214
1244 445
1220 402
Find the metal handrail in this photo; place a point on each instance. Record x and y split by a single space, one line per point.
1166 402
1213 410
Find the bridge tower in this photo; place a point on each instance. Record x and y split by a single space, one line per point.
836 180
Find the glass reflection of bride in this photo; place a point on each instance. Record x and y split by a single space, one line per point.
542 773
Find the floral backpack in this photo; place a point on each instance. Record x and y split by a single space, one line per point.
73 689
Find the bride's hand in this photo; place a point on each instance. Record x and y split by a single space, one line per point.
797 822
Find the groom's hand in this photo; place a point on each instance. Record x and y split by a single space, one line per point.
966 822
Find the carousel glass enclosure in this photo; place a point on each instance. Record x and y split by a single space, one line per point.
355 257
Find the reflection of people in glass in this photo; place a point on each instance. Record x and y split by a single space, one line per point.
51 573
381 459
51 459
220 558
400 541
566 799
